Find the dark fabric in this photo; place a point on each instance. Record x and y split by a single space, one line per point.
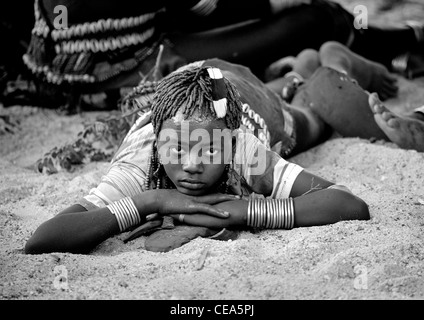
227 12
16 22
383 45
256 44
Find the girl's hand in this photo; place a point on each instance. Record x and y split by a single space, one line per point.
237 218
170 202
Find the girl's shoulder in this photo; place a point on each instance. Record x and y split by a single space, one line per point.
263 170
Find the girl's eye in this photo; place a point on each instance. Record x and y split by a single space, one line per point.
212 152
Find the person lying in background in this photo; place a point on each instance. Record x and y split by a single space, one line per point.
405 129
106 45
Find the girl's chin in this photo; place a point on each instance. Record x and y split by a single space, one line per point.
191 192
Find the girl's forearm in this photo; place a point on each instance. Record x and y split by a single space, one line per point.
321 207
80 232
328 206
76 232
146 202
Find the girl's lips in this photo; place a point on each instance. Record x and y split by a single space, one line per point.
191 184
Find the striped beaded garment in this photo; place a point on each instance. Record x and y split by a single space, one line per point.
88 52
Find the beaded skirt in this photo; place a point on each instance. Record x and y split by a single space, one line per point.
92 53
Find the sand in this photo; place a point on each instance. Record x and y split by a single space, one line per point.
382 258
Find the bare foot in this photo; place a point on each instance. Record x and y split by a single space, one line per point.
406 132
371 76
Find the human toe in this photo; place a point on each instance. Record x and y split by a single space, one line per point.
373 100
393 123
386 115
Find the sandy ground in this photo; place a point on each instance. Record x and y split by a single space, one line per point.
378 259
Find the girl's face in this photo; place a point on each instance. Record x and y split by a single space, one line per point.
194 152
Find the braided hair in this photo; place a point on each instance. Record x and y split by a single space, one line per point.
188 91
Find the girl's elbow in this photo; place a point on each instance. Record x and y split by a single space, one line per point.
358 209
33 246
41 241
364 213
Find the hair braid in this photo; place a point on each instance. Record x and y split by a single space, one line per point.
190 90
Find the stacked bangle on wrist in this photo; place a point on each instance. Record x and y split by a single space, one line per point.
126 213
271 213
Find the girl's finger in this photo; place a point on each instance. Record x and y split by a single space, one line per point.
200 220
207 209
150 225
153 216
217 198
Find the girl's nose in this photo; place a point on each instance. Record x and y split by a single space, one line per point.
192 164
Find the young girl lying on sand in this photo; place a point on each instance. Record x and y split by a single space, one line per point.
175 163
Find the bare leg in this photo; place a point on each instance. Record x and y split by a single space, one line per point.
311 130
406 131
307 62
371 76
304 65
